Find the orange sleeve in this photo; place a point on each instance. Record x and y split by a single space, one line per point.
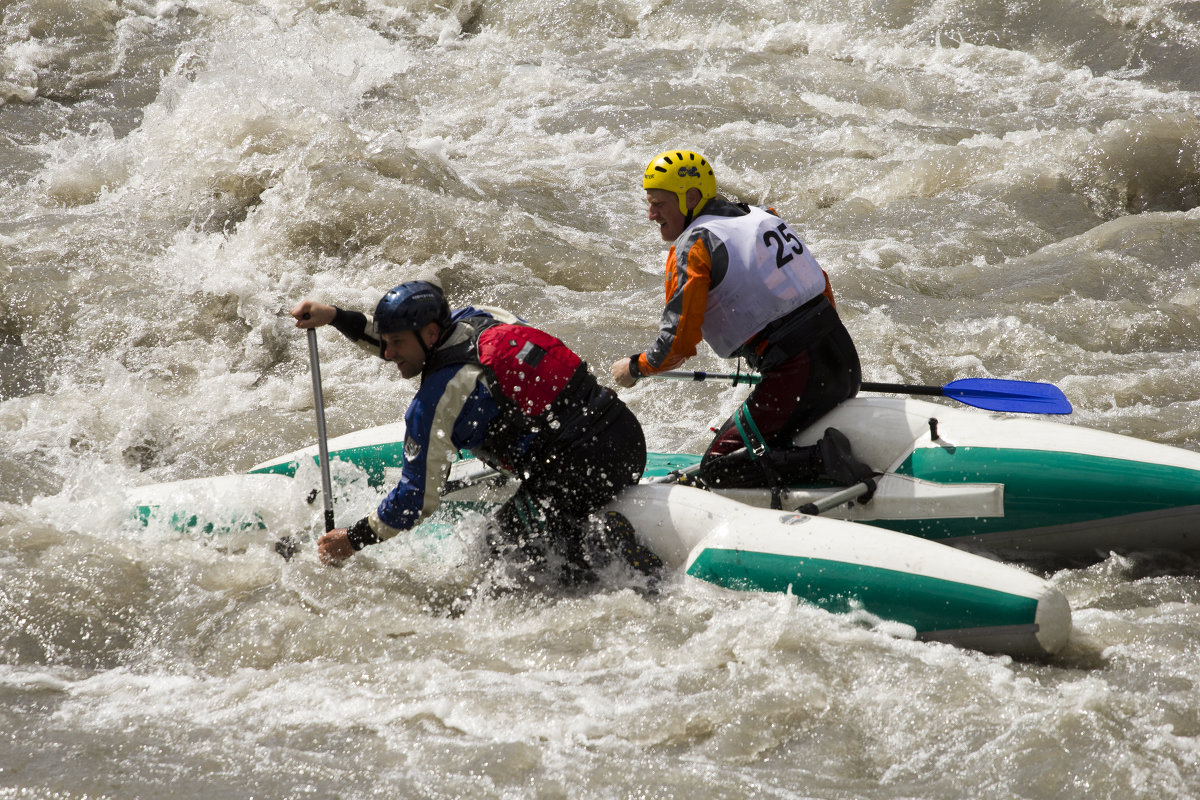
828 289
680 330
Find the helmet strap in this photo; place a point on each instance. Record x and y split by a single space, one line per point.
443 333
689 213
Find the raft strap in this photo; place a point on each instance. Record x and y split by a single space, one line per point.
757 447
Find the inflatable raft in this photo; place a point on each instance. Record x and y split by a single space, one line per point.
1012 486
942 593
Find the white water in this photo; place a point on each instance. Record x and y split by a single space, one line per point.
997 190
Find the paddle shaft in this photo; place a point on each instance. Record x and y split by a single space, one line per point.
688 375
736 378
322 439
903 388
993 394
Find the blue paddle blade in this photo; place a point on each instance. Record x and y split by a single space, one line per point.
997 394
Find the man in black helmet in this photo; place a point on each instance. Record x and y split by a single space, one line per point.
513 396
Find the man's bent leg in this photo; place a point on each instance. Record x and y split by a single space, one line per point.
549 513
771 408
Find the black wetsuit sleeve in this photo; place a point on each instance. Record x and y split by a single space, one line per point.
358 328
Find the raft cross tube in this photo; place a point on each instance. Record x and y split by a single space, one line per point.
834 500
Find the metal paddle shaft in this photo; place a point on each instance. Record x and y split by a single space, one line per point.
319 402
992 394
687 375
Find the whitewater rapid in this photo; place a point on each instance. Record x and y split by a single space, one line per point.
996 190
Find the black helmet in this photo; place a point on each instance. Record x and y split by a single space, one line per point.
410 307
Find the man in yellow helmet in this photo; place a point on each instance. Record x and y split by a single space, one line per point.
739 278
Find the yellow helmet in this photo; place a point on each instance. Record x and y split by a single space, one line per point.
677 171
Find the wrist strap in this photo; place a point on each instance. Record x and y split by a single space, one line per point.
360 534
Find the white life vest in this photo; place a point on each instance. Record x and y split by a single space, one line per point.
771 272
